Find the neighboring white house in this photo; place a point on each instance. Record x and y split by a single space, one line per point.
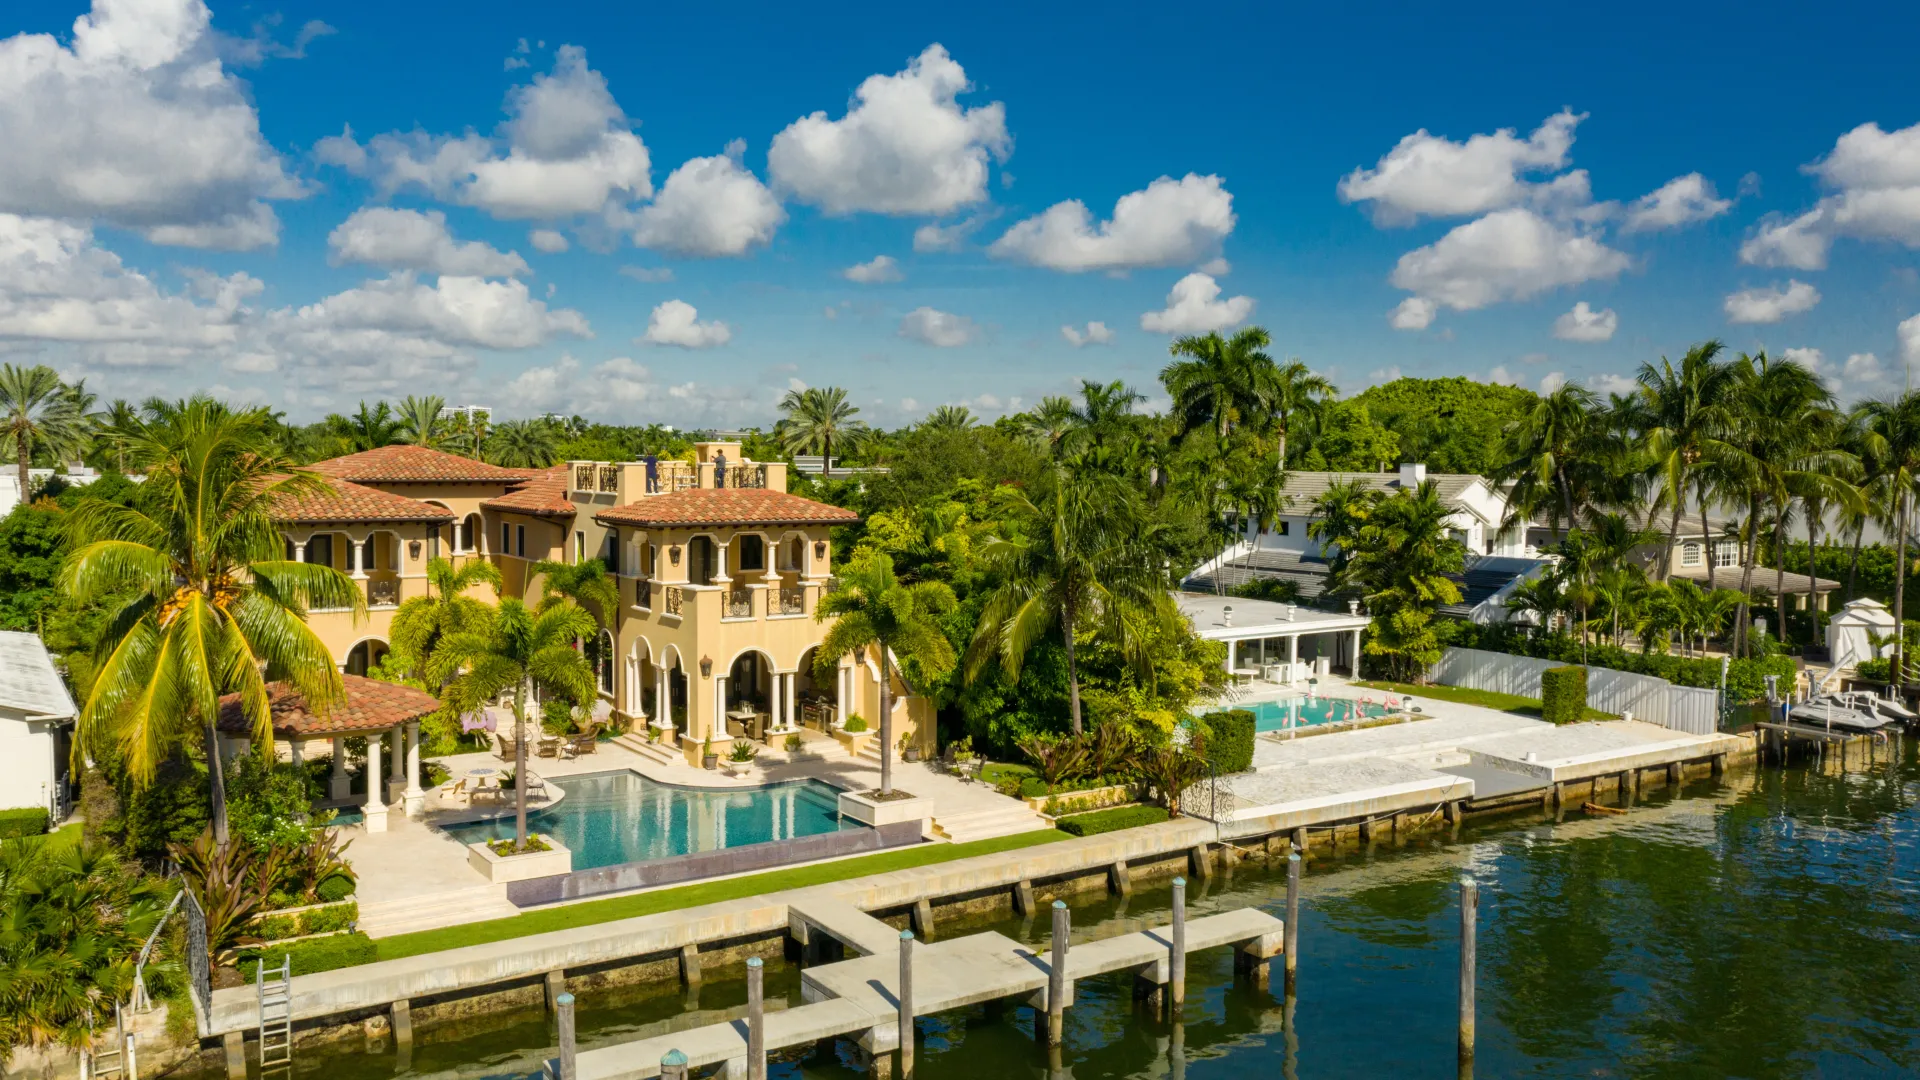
36 726
1478 509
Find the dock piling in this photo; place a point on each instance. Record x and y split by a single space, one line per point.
1469 929
1119 879
1023 897
556 984
923 918
756 1020
1292 929
1177 961
564 1006
905 1021
673 1065
1057 973
690 964
1300 841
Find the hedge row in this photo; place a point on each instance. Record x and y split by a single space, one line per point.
314 955
1230 740
1120 817
1563 694
27 821
1746 679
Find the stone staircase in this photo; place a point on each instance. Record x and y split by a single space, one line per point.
658 753
431 911
986 822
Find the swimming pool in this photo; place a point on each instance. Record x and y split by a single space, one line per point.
613 818
1304 712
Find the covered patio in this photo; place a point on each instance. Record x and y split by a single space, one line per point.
387 715
1263 638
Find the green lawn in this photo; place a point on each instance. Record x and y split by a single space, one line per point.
649 903
1486 699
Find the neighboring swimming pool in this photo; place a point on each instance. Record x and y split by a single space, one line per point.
1301 712
613 818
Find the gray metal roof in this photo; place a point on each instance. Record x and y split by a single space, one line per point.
28 681
1305 488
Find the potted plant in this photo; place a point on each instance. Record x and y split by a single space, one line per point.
708 759
743 751
795 743
909 751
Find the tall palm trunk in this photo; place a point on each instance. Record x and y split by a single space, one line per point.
217 785
1853 564
1900 600
1673 538
886 721
1067 611
1813 532
1780 570
520 767
25 446
1740 616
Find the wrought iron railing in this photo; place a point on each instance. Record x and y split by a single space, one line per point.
609 478
643 593
739 604
746 475
583 478
793 600
675 597
383 592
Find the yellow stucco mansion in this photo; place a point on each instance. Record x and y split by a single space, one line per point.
720 572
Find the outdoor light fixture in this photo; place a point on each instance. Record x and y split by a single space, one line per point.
1353 607
673 553
706 666
819 549
1226 615
413 550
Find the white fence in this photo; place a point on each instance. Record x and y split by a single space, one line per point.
1683 708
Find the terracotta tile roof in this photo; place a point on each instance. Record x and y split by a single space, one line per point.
370 706
352 502
725 506
544 495
402 463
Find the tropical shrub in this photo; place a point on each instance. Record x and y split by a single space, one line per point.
1230 740
316 955
1743 675
268 802
28 821
1121 817
232 884
277 925
1563 695
742 752
1875 670
856 724
1059 758
337 887
1171 770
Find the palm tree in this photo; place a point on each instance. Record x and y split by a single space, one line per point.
1685 415
817 417
949 418
520 652
1401 564
116 430
589 583
1893 440
1549 457
367 429
419 420
871 608
1084 552
39 412
523 444
1223 381
445 609
1299 396
203 601
1051 421
1339 515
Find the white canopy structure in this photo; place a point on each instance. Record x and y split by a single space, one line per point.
1850 633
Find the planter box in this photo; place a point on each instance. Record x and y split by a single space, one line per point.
534 864
868 811
1080 802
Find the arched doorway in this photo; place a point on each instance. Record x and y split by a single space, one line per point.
600 653
365 655
749 691
818 700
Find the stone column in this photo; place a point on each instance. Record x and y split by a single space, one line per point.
1293 656
718 722
1354 663
339 785
376 803
662 697
793 698
1232 647
842 690
416 798
720 564
357 552
293 752
396 766
299 551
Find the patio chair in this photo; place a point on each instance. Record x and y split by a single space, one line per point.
505 747
584 743
536 787
550 746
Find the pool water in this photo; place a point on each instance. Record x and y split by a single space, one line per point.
615 818
1304 712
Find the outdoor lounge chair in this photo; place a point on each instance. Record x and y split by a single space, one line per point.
536 787
584 743
506 747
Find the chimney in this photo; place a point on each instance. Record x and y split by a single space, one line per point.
1412 475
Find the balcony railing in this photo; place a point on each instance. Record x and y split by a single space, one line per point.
583 477
675 597
739 604
744 475
383 592
609 478
793 600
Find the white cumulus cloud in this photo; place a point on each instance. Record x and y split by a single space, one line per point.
454 310
1507 255
710 207
1585 324
135 123
931 237
1910 340
413 240
875 271
548 241
1413 313
1194 307
1682 200
1771 304
676 322
1873 180
937 328
905 145
1169 223
1096 333
1426 175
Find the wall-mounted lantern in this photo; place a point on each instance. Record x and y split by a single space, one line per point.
706 666
673 553
413 551
819 549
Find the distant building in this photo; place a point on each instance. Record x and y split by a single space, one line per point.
36 727
482 413
74 476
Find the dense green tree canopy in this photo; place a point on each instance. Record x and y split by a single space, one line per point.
1447 423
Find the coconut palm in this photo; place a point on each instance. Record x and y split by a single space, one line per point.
1339 515
115 428
1685 414
949 418
1300 398
1222 381
872 609
39 412
517 652
1051 421
816 418
589 583
1401 564
1893 443
1084 552
1549 457
203 601
523 444
419 420
366 429
445 609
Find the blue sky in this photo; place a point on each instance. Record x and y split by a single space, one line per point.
305 204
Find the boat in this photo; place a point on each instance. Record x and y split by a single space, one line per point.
1889 708
1829 713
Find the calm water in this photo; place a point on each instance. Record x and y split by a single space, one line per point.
620 818
1765 928
1301 712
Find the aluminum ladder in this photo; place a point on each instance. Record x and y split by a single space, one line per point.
116 1061
276 1016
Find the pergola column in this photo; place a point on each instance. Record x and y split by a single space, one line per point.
416 798
376 801
793 701
1354 663
396 766
339 785
717 723
293 752
1293 656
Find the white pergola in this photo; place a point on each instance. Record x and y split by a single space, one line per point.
1256 630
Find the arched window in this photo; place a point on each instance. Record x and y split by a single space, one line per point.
470 533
